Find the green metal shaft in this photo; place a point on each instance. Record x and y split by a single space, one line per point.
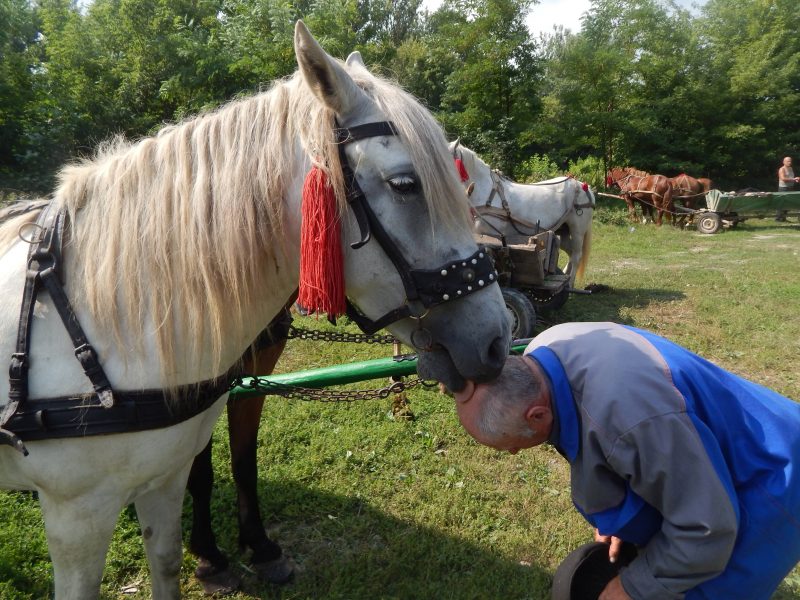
364 370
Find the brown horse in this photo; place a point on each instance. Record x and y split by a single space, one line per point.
706 182
244 415
687 189
652 192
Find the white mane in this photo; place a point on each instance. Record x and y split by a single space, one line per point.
187 225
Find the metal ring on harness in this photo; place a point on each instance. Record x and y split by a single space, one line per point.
38 228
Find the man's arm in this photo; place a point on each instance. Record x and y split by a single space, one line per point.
674 464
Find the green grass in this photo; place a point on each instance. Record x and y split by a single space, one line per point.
369 506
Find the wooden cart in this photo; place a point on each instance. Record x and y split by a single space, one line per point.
529 277
728 209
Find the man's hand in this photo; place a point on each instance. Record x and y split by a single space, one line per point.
614 544
614 591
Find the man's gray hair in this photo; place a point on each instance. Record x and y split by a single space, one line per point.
507 398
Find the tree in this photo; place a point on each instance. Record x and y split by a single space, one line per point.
18 46
756 56
489 97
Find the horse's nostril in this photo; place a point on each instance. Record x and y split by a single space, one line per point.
498 351
496 355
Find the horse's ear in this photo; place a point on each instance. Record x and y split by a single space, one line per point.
470 189
355 59
327 79
456 144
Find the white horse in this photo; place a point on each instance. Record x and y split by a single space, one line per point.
514 210
183 246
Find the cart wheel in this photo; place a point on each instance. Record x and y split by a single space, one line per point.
709 222
522 313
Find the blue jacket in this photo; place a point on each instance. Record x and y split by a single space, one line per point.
668 451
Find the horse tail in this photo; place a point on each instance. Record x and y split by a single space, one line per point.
669 204
586 249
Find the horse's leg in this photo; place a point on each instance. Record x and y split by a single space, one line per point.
631 209
212 565
79 530
159 512
647 211
244 417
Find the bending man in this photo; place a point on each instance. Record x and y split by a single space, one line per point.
696 466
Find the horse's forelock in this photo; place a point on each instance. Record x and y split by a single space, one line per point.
427 146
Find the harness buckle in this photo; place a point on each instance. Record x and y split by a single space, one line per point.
18 377
89 359
19 364
46 259
87 356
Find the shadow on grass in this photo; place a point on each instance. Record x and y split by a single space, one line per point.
610 304
346 548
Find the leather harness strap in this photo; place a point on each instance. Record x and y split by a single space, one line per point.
44 269
105 410
83 415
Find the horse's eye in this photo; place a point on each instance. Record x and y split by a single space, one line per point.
404 184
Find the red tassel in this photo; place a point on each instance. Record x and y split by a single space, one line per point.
585 186
462 170
609 181
321 261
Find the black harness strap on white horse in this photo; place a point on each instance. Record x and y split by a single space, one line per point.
44 270
104 411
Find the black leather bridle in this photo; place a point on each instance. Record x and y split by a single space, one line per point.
429 287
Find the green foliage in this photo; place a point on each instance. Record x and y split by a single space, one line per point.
490 99
644 83
589 170
18 48
536 168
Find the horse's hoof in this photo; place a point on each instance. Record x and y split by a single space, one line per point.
278 571
216 582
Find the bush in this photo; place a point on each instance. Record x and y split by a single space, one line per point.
590 170
537 168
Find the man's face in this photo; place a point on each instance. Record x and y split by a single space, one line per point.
787 162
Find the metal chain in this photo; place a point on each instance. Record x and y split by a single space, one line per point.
271 388
264 386
338 336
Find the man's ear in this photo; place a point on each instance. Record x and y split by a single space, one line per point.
538 417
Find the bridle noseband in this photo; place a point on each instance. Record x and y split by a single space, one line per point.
429 287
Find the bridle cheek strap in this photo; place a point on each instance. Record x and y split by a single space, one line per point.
430 287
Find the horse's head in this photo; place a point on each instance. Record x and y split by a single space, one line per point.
411 263
615 175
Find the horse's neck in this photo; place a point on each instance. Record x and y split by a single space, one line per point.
481 175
